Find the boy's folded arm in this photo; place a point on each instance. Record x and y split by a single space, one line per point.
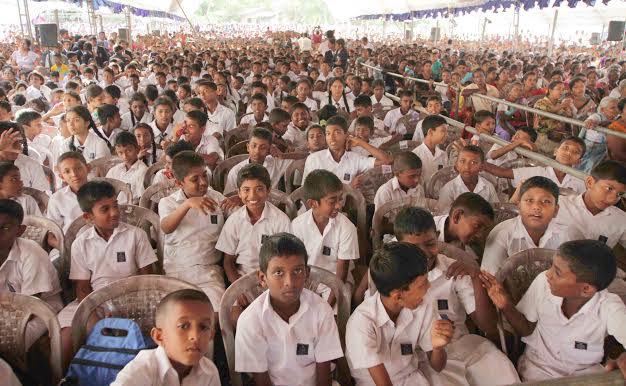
521 325
379 375
83 288
437 358
170 222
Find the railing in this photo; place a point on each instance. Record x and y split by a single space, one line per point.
550 115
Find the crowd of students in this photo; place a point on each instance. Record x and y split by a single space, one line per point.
294 101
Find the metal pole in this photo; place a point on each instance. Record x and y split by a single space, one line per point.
129 26
516 24
402 76
551 42
19 13
193 29
56 18
551 115
482 35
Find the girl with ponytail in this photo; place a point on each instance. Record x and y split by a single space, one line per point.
85 137
337 96
149 153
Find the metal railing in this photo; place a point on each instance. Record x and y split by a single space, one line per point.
550 115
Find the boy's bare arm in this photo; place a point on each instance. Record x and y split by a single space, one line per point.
322 374
147 270
498 171
379 375
230 268
83 288
262 379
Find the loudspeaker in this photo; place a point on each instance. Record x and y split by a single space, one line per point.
48 34
122 34
435 33
616 31
595 38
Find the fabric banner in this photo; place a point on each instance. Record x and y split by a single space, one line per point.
119 8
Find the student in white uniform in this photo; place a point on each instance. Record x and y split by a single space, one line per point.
300 121
138 112
363 108
85 138
107 251
11 187
535 227
456 292
337 97
435 130
131 170
433 107
469 164
385 332
184 330
568 153
149 151
247 227
287 335
524 137
396 120
163 124
31 172
258 103
566 313
110 120
303 90
330 238
594 213
192 220
220 118
379 97
259 147
25 268
347 165
193 129
407 171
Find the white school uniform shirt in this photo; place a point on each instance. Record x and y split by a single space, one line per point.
249 120
560 347
311 104
454 188
392 119
372 338
127 120
418 134
242 239
391 190
28 204
384 101
338 242
379 126
288 351
193 241
132 176
6 373
430 163
376 142
608 226
32 173
179 116
153 368
510 156
510 237
112 136
103 262
93 148
296 136
349 166
271 104
162 135
220 121
569 181
275 166
63 208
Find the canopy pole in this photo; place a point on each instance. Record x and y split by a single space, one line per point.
551 42
193 29
22 9
516 25
128 25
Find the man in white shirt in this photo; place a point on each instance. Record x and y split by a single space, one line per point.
399 120
435 130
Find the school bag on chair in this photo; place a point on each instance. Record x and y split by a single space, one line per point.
112 343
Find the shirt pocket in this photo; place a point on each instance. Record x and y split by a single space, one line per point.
582 353
305 352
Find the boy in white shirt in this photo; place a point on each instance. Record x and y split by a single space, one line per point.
107 251
593 213
524 137
192 220
365 130
192 130
379 94
288 335
63 206
456 292
11 187
384 333
297 128
184 328
535 226
433 107
166 175
258 104
131 170
397 120
566 313
12 149
363 108
330 238
469 164
248 227
435 130
346 165
569 153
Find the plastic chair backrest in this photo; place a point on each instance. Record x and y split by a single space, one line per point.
290 175
250 284
504 211
519 270
402 146
130 214
438 180
101 166
40 197
221 171
151 196
134 297
120 187
152 170
239 148
373 179
15 312
37 229
51 178
236 135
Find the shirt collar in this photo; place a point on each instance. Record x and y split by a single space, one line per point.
264 215
439 269
269 310
480 185
382 317
91 233
164 366
522 233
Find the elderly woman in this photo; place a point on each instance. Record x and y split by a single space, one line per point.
24 59
595 141
619 92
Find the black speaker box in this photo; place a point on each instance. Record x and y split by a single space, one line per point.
616 30
48 34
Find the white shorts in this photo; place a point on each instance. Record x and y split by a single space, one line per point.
210 278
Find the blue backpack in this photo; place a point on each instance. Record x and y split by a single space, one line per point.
104 355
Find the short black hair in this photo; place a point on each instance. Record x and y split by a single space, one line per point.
259 97
184 161
178 147
482 115
113 91
396 265
197 116
319 183
13 209
431 122
365 121
105 112
183 295
254 172
532 133
610 170
280 115
541 183
126 138
26 117
281 244
6 167
263 134
413 221
474 149
592 261
338 120
92 192
406 160
363 101
473 204
72 155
